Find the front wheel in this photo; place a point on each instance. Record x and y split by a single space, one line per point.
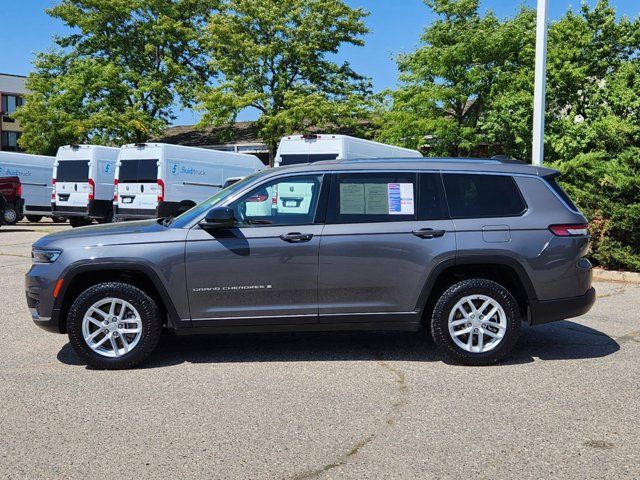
11 217
34 218
56 219
114 326
476 322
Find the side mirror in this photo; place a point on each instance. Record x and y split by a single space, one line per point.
219 217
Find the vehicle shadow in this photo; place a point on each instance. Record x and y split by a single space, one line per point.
559 341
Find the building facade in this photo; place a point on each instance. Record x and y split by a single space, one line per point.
12 91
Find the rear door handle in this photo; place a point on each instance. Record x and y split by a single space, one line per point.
296 237
428 233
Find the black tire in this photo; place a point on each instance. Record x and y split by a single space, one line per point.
10 216
107 219
146 307
184 206
56 219
34 218
79 221
446 303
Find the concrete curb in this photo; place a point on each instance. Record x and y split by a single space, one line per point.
602 275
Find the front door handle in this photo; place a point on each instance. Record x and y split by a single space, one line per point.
428 233
296 237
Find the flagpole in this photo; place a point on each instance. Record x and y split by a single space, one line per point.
537 155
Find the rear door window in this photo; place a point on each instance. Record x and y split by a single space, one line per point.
73 171
373 197
482 195
138 171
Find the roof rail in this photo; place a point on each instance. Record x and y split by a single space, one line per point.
490 161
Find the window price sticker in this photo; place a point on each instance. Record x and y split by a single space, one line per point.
400 198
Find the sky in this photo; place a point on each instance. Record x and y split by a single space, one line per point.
395 27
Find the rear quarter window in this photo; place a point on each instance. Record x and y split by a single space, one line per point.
483 195
555 186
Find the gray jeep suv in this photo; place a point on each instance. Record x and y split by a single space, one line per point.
467 248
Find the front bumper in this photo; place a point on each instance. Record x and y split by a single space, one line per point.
546 311
40 281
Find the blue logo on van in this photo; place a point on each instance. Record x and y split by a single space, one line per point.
177 169
107 167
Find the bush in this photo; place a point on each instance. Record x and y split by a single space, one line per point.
607 190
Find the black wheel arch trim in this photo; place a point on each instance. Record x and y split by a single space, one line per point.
69 273
475 260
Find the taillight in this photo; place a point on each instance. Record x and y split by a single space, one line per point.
115 190
570 230
160 190
53 189
92 189
19 190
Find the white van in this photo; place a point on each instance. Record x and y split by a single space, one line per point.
35 173
83 183
162 180
296 149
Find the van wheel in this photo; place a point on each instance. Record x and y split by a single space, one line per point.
184 206
34 218
55 219
11 217
476 322
114 326
108 218
79 221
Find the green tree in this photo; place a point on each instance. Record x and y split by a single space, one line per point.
447 84
116 77
275 56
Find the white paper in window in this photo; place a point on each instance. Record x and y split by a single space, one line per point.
400 198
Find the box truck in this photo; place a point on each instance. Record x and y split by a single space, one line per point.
34 172
162 180
295 149
83 183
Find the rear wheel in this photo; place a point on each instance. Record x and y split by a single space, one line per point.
114 326
34 218
79 221
108 218
476 322
10 217
56 219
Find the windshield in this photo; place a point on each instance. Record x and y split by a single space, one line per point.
73 171
199 210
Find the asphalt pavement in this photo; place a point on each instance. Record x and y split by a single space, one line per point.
320 405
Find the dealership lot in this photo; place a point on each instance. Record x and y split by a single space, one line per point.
330 405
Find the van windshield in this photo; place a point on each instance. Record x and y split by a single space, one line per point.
73 171
199 210
138 171
298 158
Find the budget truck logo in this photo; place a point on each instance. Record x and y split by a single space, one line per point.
177 169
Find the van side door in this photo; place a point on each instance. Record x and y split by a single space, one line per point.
385 233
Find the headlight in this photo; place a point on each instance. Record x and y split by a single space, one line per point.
44 256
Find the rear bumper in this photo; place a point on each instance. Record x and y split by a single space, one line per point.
542 312
134 213
94 209
63 211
